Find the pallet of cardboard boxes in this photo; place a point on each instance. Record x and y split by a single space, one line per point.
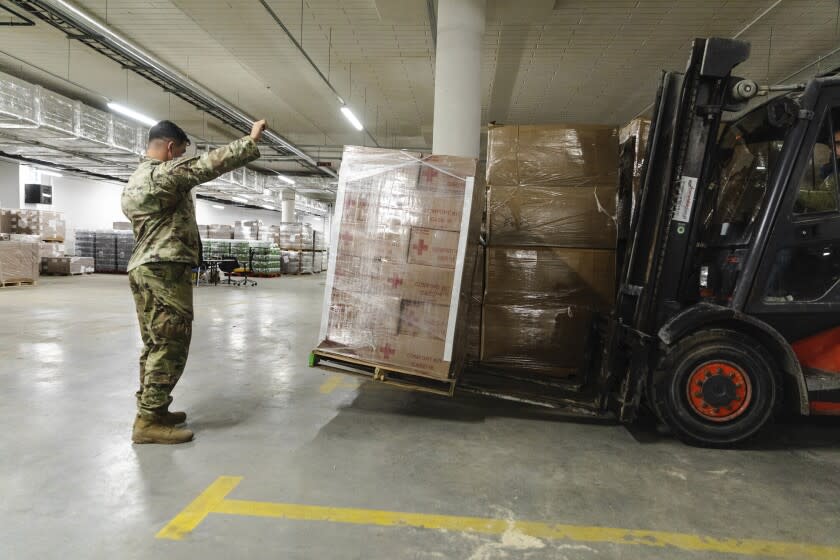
550 260
397 290
24 232
301 248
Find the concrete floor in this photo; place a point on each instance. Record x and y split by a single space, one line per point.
73 486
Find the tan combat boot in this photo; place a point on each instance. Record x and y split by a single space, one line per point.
154 431
173 418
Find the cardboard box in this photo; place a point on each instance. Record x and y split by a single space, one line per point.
354 313
66 266
217 231
520 275
347 275
49 226
424 320
552 216
441 209
476 302
433 247
373 241
5 221
445 173
422 356
20 261
51 249
535 338
413 282
569 155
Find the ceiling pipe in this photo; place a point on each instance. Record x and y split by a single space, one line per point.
311 62
67 18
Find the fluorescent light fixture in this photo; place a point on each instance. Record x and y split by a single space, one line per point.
239 199
268 207
348 114
286 179
49 173
219 206
761 168
132 114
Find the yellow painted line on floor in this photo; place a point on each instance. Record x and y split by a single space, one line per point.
334 382
213 500
206 503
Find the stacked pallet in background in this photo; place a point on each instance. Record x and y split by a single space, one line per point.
216 231
110 249
302 248
20 262
67 266
398 294
47 228
247 229
550 261
261 258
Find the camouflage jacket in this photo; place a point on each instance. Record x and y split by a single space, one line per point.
159 202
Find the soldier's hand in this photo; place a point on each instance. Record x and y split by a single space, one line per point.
257 130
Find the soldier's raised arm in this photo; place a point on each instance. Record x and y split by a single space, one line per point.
187 173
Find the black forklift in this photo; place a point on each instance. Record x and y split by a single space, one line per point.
727 307
728 296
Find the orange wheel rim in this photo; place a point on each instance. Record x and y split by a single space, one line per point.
719 391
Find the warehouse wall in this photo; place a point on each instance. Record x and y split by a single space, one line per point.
206 214
9 184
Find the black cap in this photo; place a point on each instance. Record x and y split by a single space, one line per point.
170 131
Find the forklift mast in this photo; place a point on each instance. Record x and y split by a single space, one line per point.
658 277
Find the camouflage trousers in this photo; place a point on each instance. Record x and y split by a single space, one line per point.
164 300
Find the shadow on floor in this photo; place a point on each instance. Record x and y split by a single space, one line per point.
786 433
378 398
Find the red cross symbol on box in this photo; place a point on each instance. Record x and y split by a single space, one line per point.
387 351
395 281
420 246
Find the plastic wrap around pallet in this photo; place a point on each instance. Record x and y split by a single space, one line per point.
552 216
293 236
110 249
637 130
550 264
399 277
568 155
20 261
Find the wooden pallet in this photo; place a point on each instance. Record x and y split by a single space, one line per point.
398 377
19 283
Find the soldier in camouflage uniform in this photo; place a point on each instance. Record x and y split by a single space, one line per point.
158 200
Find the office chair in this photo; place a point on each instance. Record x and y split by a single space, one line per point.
230 266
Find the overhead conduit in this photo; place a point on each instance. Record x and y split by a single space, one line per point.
79 26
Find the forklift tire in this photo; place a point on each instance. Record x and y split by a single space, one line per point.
716 388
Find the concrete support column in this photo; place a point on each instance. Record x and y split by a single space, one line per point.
287 208
457 126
